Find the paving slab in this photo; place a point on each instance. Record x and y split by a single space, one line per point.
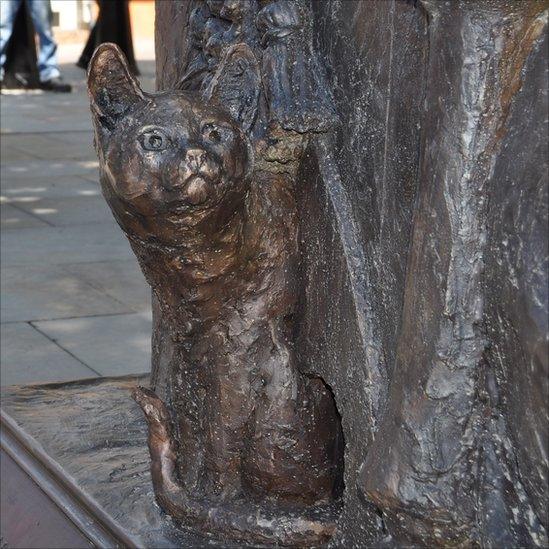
79 210
27 356
121 279
30 189
66 264
12 153
27 142
41 292
16 124
14 218
55 245
52 145
111 345
44 113
47 168
91 176
83 138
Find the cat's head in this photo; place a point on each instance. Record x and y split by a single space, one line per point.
171 163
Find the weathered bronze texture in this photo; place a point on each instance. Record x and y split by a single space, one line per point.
202 181
424 251
449 474
405 248
83 448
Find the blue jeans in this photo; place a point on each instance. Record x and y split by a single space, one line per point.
40 11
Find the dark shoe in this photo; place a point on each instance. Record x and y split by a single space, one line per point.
56 85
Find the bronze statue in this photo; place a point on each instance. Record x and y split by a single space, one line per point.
394 264
245 445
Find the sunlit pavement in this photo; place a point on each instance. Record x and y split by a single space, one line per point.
74 303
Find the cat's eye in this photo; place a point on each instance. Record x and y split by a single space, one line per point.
153 140
216 134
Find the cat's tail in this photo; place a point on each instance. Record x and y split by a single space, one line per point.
239 520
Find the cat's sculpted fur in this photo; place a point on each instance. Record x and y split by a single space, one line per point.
242 428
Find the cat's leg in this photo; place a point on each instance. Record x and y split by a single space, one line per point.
245 521
294 450
189 384
228 408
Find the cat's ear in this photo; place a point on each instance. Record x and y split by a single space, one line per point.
236 85
111 86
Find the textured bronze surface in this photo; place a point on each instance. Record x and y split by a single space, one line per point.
449 473
93 438
202 181
418 292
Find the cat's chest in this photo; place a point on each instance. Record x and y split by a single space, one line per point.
202 309
220 330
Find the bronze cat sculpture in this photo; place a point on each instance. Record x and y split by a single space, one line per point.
246 446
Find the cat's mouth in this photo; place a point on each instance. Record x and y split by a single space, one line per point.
197 190
194 190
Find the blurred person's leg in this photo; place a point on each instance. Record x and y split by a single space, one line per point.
48 67
8 11
40 11
113 25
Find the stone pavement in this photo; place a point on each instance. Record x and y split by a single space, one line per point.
74 303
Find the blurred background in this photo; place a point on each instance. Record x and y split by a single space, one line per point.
73 302
72 21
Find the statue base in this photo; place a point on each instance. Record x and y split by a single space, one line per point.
76 468
83 444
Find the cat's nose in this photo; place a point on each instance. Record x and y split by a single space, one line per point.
195 159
